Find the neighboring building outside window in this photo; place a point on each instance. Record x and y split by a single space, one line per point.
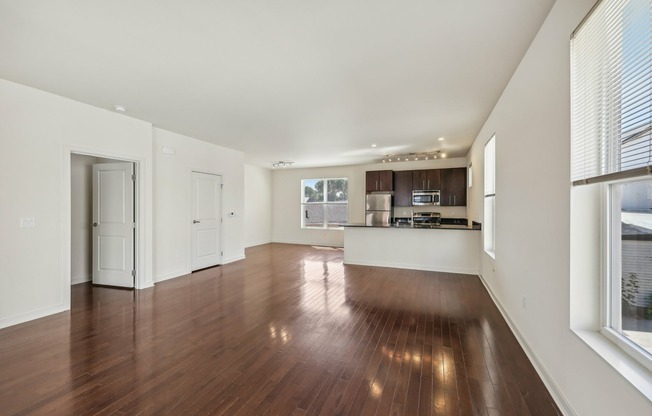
611 136
489 226
324 202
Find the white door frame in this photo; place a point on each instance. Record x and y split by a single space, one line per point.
143 238
189 215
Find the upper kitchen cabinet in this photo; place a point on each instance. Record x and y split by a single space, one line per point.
453 189
379 181
403 188
428 179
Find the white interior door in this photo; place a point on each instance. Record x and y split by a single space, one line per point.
206 227
113 224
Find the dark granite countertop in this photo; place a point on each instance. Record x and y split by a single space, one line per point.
475 226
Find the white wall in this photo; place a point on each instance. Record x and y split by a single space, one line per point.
172 199
38 132
286 200
258 206
532 125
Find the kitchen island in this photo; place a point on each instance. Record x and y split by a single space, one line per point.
446 248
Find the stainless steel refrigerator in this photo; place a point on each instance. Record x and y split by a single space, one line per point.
378 210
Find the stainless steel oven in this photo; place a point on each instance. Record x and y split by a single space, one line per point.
426 219
425 197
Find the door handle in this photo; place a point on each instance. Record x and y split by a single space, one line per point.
95 224
196 221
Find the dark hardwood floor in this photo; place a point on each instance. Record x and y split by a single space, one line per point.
288 331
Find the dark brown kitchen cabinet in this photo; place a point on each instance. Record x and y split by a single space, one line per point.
428 179
379 181
403 188
453 187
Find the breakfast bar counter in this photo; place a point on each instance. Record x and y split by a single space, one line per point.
453 249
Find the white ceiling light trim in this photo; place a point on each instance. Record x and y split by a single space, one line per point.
411 157
281 164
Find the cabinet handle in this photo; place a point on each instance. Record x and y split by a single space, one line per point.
454 199
381 186
376 185
428 183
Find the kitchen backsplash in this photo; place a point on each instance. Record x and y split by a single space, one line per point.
446 212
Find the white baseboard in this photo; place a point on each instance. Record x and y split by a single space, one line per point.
257 243
172 275
30 316
549 382
410 266
176 274
305 243
233 259
80 279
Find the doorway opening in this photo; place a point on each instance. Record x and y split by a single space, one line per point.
102 221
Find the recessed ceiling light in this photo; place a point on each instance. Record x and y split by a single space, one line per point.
441 139
373 145
120 108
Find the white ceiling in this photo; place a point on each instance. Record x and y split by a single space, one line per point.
314 82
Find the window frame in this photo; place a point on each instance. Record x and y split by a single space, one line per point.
611 271
324 204
596 164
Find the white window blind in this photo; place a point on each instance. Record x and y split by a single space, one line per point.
611 92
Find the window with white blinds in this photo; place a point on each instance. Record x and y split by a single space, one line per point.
611 92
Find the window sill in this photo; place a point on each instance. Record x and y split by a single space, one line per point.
628 367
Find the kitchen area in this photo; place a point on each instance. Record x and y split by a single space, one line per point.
416 219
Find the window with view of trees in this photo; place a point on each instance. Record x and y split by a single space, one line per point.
324 202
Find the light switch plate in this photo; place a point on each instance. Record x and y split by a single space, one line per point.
28 222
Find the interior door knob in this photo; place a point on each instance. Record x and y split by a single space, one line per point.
195 221
95 224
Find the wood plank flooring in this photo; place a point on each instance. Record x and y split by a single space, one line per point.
288 331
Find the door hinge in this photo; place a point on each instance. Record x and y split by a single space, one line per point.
221 253
221 186
133 273
133 177
133 225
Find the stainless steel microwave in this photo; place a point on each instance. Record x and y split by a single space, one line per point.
425 197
